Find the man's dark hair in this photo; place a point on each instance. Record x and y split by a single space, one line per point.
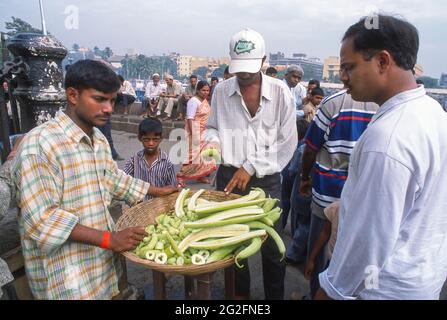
271 70
193 76
400 38
419 81
227 70
91 74
120 77
214 79
301 127
317 91
150 125
313 81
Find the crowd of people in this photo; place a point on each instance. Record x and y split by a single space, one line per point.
360 172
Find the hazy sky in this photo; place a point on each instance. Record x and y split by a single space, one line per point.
204 28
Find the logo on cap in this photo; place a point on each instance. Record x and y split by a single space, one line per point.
243 46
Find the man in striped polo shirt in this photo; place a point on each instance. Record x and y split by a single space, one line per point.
332 134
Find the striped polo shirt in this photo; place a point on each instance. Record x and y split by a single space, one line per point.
338 124
160 174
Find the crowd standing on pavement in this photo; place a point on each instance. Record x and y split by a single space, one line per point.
359 173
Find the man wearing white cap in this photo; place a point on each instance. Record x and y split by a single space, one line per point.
152 95
169 98
252 122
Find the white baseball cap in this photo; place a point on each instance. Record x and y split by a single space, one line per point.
247 49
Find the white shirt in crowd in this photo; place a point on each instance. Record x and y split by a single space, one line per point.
263 144
392 235
299 92
191 107
127 88
153 91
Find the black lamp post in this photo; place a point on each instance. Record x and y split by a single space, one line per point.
41 88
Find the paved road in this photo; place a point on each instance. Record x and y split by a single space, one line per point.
127 144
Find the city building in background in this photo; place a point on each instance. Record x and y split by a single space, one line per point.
183 65
187 65
443 80
331 69
313 67
418 70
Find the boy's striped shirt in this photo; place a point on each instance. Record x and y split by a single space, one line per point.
160 174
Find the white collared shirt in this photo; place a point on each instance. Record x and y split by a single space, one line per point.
127 88
153 91
392 235
262 144
299 92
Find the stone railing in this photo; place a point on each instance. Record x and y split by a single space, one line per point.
129 123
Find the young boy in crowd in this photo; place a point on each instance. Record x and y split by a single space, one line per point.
151 164
310 108
300 205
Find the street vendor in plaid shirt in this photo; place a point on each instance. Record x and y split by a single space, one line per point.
66 178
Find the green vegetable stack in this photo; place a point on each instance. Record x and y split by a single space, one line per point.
198 231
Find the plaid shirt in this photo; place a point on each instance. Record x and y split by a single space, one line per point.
64 179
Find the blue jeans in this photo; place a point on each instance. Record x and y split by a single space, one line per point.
316 226
300 224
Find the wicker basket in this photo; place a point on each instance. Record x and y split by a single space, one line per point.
145 213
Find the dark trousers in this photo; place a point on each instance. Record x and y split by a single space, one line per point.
107 132
182 103
149 105
316 226
300 213
273 270
124 99
287 180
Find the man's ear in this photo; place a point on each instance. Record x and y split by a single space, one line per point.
72 96
384 60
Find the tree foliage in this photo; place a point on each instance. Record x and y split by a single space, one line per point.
97 51
19 25
104 54
201 72
219 72
143 67
107 53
